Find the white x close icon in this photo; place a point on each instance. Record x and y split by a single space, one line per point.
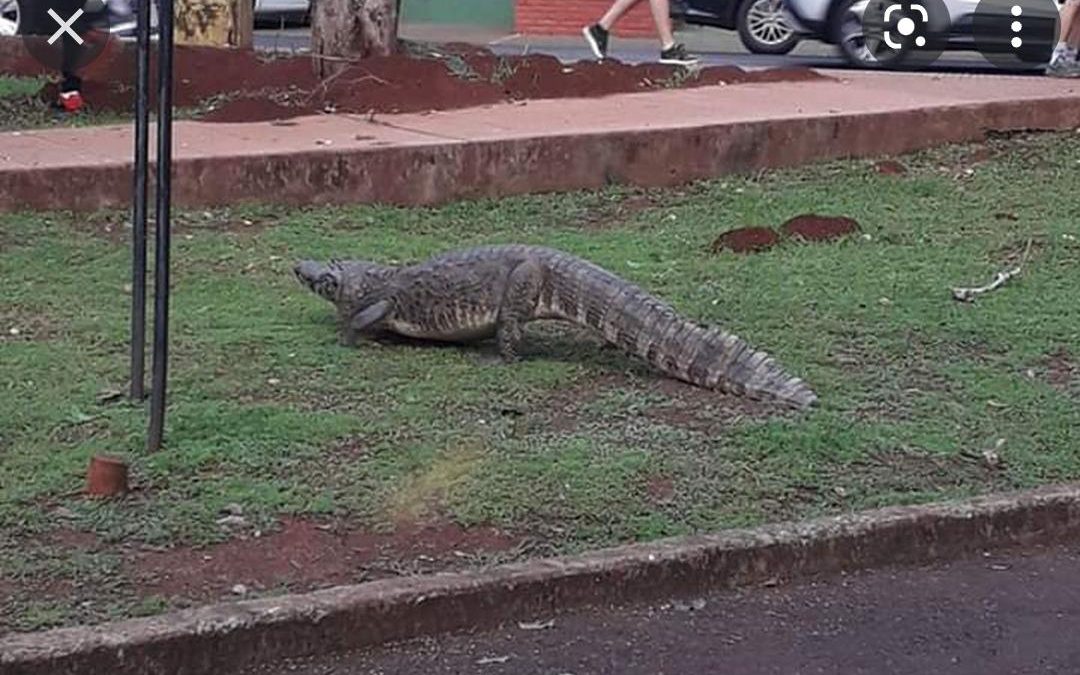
65 26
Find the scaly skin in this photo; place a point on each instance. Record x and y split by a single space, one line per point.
492 291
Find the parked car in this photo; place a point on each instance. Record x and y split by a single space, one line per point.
762 24
860 28
282 10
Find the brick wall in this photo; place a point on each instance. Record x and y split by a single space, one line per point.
567 17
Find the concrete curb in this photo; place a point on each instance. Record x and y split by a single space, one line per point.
222 638
444 171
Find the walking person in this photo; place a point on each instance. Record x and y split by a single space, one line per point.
671 52
1065 62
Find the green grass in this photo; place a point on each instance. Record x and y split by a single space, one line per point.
266 410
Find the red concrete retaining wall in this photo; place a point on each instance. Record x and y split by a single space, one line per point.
442 172
567 17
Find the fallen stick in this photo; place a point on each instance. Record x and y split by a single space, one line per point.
968 294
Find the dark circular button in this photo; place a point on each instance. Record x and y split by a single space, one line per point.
907 33
1012 34
48 25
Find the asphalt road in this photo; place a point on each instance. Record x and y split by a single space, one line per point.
713 46
1015 613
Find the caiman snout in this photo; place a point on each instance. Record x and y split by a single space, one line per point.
317 277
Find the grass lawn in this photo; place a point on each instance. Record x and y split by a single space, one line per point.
399 458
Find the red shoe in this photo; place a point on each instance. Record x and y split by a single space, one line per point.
71 101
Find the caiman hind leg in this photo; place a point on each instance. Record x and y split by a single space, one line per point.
518 306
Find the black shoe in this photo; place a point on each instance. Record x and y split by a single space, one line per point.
676 55
597 38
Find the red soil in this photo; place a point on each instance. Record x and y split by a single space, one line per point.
241 86
890 167
810 227
746 240
304 555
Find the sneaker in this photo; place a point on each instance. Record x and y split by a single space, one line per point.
676 55
70 101
1063 67
597 38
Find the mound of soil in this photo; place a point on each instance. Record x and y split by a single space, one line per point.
890 167
811 227
746 240
244 86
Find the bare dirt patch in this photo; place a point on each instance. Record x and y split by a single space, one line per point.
1061 370
677 404
242 86
812 227
305 554
18 325
890 167
746 240
660 489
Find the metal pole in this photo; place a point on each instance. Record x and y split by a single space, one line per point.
164 195
138 242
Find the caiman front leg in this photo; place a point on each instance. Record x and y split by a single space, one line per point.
363 321
518 306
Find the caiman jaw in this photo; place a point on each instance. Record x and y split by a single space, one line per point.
317 278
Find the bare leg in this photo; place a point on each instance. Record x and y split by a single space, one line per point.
1070 24
518 303
661 14
615 12
661 11
1063 63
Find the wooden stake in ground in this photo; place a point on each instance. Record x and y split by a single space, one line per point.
344 29
214 23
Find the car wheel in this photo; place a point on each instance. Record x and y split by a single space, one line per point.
861 47
763 29
11 17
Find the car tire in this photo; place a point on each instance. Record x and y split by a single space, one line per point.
845 31
762 28
12 17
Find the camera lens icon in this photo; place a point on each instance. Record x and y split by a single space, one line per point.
906 26
901 33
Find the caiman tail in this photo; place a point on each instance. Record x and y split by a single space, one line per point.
634 320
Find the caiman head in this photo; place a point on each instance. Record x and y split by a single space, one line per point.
324 280
354 282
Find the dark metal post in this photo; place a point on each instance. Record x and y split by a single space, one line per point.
164 195
138 242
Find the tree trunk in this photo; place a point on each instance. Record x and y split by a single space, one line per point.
344 29
214 23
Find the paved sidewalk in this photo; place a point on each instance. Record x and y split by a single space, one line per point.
539 146
1006 613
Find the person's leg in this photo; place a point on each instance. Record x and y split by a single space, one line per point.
1063 62
598 33
1071 30
671 52
661 14
615 12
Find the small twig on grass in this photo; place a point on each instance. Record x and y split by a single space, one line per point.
968 294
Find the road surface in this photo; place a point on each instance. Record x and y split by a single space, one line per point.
1014 613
